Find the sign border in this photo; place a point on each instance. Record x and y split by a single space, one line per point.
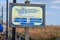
22 4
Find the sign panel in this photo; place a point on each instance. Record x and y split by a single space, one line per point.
1 28
26 15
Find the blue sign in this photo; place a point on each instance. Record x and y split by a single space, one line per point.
1 28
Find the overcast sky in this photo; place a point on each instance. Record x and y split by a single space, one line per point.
52 9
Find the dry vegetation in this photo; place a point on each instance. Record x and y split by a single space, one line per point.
46 32
43 32
1 37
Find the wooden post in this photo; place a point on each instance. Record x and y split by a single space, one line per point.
13 28
6 19
26 33
27 29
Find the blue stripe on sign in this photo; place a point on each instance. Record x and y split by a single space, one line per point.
27 24
39 21
20 20
35 20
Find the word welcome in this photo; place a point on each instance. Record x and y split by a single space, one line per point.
23 10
